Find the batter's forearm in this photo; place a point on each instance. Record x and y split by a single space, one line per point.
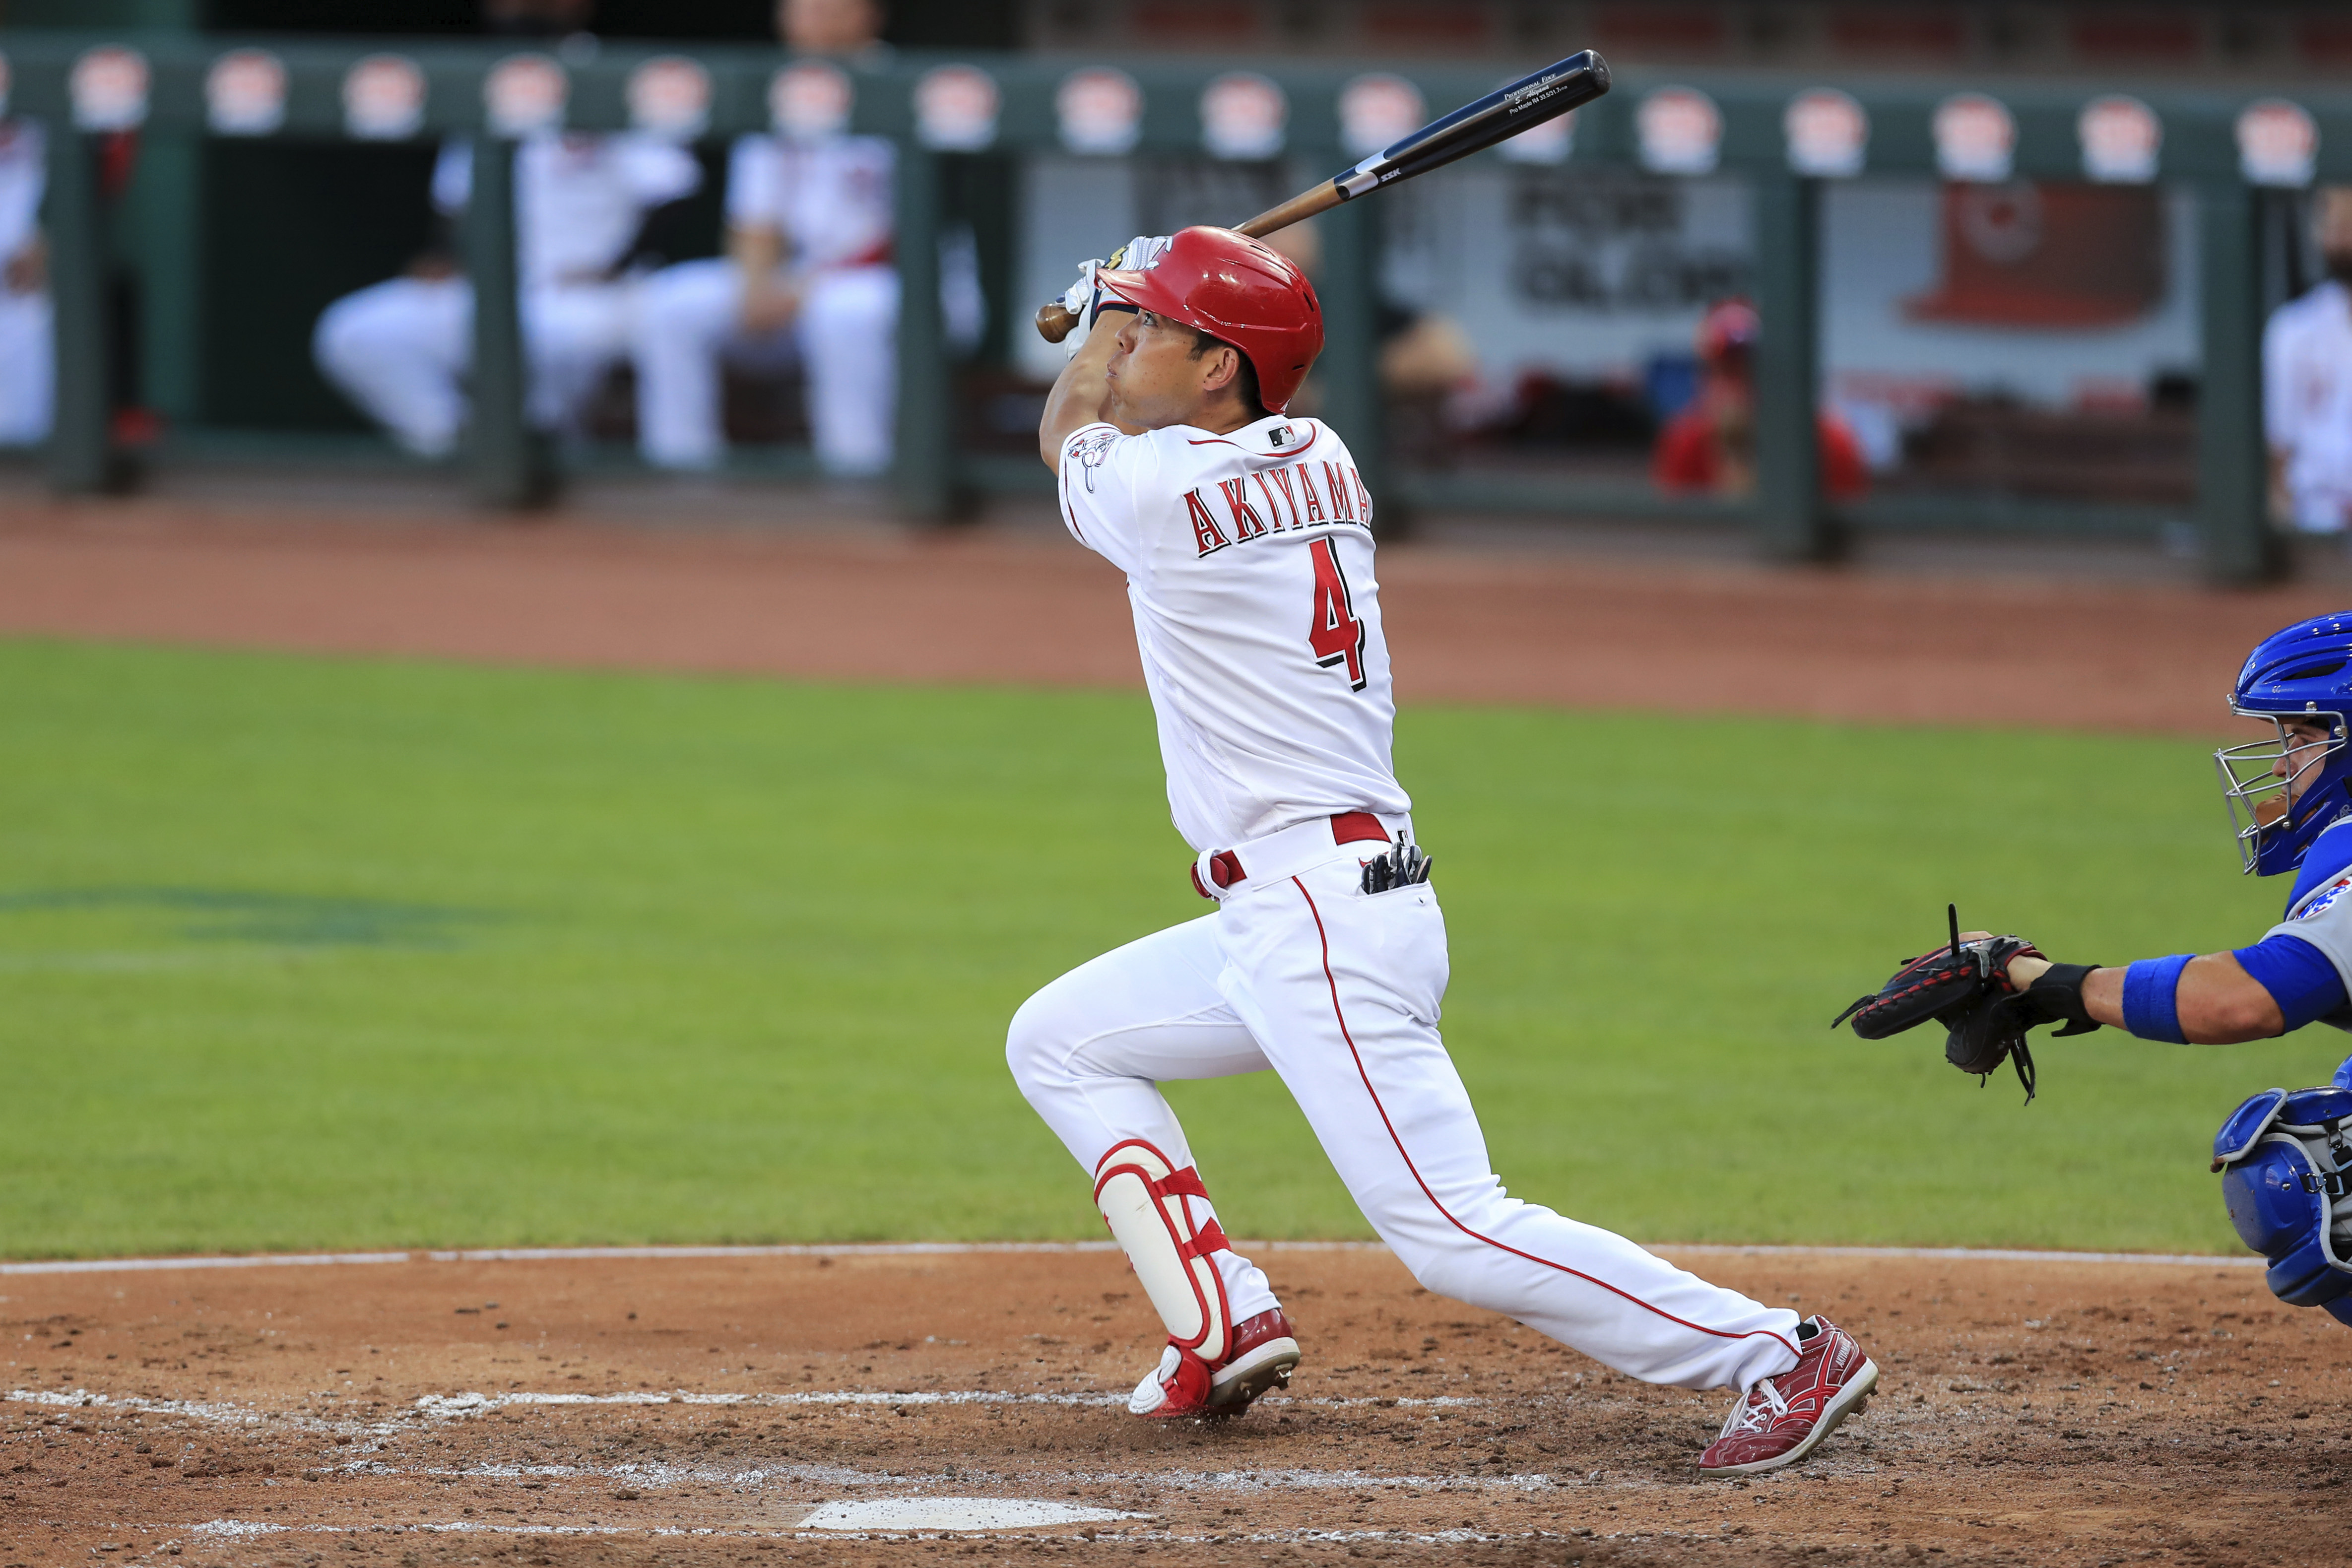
1081 395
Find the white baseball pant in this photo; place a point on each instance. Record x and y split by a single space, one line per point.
401 350
28 368
844 338
1338 992
2321 509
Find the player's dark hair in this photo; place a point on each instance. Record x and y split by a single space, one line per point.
1246 382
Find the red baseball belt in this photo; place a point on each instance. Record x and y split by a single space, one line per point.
1225 867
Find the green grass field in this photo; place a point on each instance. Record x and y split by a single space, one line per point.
304 954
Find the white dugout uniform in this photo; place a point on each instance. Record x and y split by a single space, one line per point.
830 198
402 348
27 342
2307 404
1249 563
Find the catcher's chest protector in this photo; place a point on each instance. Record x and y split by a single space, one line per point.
2285 1159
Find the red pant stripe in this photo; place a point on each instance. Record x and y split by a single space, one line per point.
1337 1013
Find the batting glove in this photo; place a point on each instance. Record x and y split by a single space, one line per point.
1084 299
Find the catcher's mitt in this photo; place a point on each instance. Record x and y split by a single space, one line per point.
1965 987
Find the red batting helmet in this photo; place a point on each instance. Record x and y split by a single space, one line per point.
1233 288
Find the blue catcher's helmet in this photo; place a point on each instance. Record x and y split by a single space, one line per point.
2294 786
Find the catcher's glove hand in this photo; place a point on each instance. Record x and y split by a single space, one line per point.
1965 987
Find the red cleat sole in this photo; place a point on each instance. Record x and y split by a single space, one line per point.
1849 1402
1264 1369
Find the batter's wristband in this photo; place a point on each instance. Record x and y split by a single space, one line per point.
2057 993
2151 999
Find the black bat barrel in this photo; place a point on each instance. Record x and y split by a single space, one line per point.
1533 99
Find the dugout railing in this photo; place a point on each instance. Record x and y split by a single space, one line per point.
2236 150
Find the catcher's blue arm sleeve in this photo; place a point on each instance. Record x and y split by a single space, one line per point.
2298 976
2152 998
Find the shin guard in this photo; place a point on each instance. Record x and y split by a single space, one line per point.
1148 1203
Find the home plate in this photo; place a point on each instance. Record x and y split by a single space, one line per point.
956 1513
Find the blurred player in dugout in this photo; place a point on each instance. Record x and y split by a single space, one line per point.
1709 448
27 372
2307 383
402 349
807 282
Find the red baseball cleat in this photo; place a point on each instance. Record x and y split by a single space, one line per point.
1784 1418
1264 1351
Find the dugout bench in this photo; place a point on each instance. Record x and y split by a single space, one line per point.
2239 150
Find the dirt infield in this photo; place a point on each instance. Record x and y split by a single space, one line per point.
853 598
701 1410
724 1409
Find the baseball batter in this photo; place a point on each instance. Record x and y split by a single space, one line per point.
28 367
1247 538
401 349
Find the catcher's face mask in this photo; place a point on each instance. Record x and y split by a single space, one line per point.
2278 789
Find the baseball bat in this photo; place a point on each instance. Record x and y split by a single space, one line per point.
1533 99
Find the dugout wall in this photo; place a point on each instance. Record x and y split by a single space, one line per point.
2236 155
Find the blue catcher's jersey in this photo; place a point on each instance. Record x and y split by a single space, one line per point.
2319 911
2330 857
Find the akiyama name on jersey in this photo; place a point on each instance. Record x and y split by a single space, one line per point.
1249 565
1280 499
1339 497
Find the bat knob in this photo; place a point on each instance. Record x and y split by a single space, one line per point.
1055 321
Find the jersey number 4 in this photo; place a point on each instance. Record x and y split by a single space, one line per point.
1336 636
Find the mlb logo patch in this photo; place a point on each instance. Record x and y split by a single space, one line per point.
2319 905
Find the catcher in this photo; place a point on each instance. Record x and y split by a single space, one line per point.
2289 1171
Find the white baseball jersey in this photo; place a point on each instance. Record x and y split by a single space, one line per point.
1249 564
2307 403
579 199
830 197
28 347
23 174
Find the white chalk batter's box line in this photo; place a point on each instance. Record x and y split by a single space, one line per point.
431 1409
951 1248
835 1477
657 1475
456 1406
475 1403
242 1529
660 1477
